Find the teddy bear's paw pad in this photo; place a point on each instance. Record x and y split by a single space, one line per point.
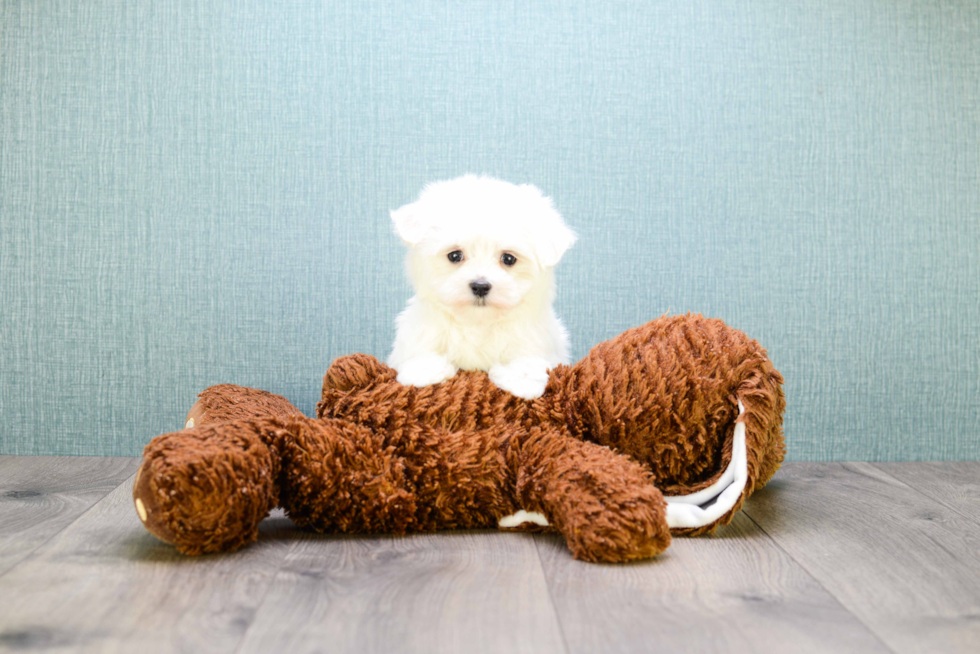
523 517
147 507
195 417
713 503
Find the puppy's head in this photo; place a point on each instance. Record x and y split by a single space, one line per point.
478 244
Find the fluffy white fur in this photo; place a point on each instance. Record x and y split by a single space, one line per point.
512 332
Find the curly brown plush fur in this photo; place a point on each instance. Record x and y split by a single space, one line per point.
651 410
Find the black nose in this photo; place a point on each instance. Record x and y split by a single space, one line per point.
480 288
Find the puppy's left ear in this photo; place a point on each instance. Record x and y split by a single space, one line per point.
559 239
408 223
553 237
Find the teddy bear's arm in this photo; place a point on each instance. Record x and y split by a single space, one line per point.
339 476
206 489
226 402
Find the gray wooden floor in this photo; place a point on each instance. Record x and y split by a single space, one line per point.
842 557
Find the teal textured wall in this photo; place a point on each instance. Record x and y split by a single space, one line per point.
197 192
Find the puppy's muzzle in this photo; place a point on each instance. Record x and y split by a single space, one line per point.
480 287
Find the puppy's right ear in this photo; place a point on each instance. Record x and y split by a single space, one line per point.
408 223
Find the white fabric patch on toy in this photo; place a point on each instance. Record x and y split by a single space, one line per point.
522 516
696 510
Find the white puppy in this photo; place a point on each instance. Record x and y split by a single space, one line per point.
481 253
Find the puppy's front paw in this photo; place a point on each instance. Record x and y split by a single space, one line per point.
525 377
425 370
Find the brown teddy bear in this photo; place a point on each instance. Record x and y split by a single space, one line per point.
682 406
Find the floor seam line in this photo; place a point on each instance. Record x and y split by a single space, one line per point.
817 581
551 597
265 596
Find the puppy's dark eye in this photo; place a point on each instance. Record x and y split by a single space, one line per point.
508 259
456 256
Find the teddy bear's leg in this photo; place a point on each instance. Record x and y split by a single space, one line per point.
226 402
206 489
671 394
339 476
605 504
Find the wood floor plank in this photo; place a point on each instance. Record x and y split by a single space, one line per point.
849 557
41 495
906 565
953 483
448 592
105 585
732 592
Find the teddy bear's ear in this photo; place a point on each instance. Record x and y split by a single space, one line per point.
409 224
